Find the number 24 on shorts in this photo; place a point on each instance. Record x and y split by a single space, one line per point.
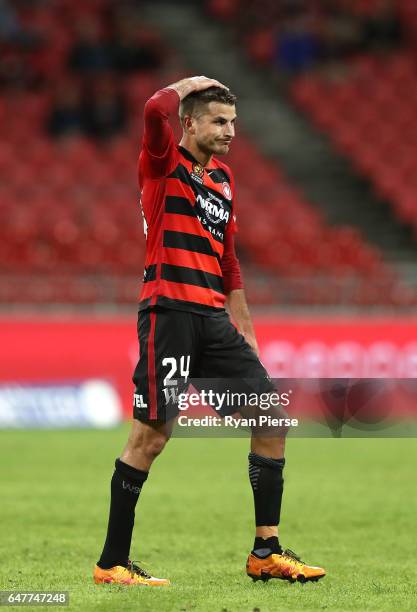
183 369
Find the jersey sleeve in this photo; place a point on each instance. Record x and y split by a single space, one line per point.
158 154
232 275
232 223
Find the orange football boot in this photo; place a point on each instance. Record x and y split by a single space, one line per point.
286 566
132 575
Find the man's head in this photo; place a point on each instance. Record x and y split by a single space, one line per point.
208 118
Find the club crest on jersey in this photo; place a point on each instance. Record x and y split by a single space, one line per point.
227 192
198 169
198 173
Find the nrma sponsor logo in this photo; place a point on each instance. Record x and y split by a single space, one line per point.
214 211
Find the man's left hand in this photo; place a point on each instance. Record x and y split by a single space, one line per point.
251 340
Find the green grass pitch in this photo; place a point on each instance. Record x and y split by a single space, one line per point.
350 505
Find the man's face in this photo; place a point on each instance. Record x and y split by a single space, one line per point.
214 127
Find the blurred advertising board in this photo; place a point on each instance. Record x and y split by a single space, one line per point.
77 372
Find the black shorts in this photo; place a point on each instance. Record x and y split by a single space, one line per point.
176 346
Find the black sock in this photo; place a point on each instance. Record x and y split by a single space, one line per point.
267 485
126 485
263 547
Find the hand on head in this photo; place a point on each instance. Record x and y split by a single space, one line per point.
196 83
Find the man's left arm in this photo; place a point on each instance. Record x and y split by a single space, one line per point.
239 310
233 288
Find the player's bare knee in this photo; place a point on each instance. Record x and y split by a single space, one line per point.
270 431
272 421
148 439
268 446
154 446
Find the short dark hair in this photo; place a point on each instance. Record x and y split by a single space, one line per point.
196 99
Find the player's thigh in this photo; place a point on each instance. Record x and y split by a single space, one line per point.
231 366
168 352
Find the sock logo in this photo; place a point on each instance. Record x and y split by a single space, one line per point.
132 488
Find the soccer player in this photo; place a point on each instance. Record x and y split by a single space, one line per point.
191 269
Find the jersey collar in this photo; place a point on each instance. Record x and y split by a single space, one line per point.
192 159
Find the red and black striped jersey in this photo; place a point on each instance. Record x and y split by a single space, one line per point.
188 218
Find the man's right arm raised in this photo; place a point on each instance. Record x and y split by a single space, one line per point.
158 138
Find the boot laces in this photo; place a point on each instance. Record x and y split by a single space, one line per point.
291 554
135 569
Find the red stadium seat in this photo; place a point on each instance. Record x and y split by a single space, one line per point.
378 135
72 205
